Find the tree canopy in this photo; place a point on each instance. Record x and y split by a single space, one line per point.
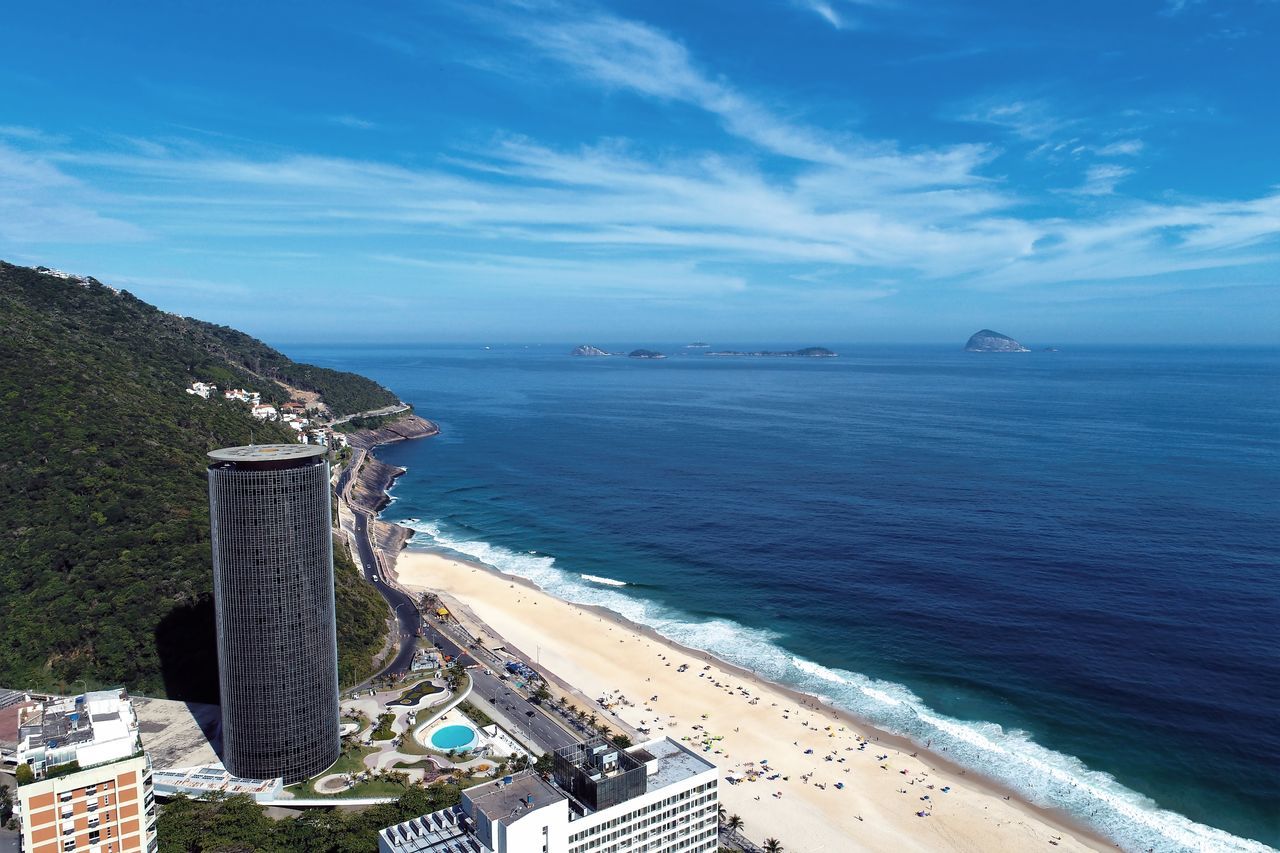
105 567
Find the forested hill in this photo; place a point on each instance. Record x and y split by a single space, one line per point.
105 568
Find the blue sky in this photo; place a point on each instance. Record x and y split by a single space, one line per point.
801 170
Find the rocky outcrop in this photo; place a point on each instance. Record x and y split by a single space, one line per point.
588 349
401 429
989 341
645 353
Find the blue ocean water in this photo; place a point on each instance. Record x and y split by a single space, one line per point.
1060 567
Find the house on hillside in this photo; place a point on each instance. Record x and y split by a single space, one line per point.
201 389
265 413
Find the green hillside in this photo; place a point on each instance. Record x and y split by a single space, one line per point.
105 570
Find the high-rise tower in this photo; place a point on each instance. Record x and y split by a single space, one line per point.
273 590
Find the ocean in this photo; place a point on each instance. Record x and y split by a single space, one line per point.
1058 567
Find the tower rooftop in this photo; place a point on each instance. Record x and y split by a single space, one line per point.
267 452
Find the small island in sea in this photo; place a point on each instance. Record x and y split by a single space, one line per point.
645 353
989 341
588 349
806 352
697 345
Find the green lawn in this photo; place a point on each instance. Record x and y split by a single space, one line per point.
351 760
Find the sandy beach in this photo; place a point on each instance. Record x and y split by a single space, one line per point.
790 757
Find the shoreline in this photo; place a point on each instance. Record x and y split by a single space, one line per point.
1020 825
378 478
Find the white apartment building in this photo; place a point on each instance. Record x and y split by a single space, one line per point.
84 782
657 797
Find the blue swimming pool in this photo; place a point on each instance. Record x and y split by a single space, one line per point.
454 737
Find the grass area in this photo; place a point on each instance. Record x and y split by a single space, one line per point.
416 765
475 715
384 731
352 759
413 694
372 788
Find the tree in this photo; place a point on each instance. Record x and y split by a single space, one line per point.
593 719
772 845
621 741
24 774
734 822
542 693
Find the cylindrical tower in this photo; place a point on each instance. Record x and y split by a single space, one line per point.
273 590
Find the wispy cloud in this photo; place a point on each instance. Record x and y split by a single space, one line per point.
614 217
354 122
1102 179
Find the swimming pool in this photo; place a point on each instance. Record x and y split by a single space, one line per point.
454 737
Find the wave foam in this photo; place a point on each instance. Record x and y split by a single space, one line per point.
605 581
1040 775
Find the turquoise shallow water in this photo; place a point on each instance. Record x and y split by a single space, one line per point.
1061 567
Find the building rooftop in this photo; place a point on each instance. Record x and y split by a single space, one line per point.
95 728
501 800
266 452
674 764
445 831
202 781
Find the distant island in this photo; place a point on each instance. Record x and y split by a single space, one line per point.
697 345
588 349
806 352
645 353
989 341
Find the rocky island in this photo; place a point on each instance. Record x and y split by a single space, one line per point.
588 349
645 353
989 341
806 352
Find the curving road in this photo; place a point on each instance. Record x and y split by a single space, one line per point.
406 613
533 721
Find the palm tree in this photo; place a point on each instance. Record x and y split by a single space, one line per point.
721 811
734 822
772 845
593 719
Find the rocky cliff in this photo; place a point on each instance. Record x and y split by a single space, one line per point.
588 349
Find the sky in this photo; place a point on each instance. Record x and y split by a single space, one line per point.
804 171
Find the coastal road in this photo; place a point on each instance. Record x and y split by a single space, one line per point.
406 612
537 726
488 687
373 413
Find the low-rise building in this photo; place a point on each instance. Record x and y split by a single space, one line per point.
265 413
211 780
202 389
658 797
84 781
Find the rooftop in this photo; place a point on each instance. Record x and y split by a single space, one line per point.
201 781
266 452
675 763
94 728
501 800
445 831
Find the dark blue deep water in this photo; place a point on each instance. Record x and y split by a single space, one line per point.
1060 566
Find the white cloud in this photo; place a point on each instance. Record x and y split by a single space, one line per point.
1102 179
1121 148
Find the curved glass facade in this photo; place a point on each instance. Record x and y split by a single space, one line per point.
277 637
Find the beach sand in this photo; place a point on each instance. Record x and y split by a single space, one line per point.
752 722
